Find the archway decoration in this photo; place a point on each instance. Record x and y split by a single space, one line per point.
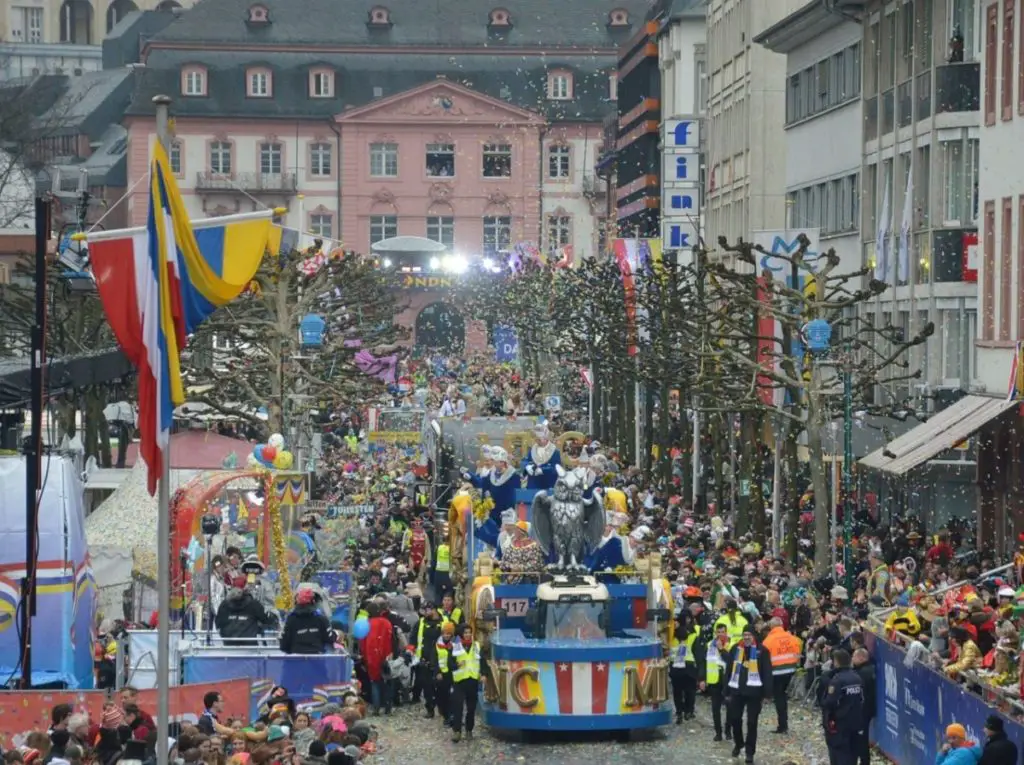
440 326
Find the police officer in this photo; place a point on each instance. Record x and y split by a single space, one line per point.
444 647
714 678
428 632
734 620
842 710
449 611
466 663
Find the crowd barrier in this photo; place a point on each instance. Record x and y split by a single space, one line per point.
22 712
916 703
310 680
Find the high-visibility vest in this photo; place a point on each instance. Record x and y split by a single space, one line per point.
455 617
733 628
442 656
785 651
714 663
682 650
467 662
419 639
444 558
422 499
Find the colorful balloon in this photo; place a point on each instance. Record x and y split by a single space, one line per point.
269 452
361 628
276 440
284 460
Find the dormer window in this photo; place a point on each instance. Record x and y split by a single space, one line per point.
618 18
500 18
259 83
321 83
193 81
258 14
560 85
613 86
380 17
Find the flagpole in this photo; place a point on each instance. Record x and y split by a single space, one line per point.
163 541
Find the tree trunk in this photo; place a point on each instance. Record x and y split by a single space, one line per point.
791 493
664 472
822 501
715 425
628 420
746 472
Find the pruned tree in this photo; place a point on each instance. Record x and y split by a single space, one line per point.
248 354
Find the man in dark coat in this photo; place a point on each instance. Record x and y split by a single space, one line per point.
999 750
306 630
864 667
241 618
748 682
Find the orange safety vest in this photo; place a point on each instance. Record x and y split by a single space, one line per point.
785 651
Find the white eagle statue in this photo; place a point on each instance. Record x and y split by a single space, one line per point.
567 523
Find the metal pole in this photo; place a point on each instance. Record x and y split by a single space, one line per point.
34 448
163 545
847 468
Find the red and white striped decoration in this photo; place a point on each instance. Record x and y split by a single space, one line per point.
582 687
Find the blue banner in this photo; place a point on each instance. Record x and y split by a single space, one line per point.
311 680
336 583
916 703
506 344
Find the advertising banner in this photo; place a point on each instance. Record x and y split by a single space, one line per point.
310 680
506 344
25 711
916 703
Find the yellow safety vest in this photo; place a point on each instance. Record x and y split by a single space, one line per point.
714 664
467 663
733 628
422 499
442 657
455 617
444 558
682 651
419 639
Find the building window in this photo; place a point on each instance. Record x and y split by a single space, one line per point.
384 160
321 224
440 160
618 18
174 155
497 160
1008 59
828 83
613 86
988 308
1005 269
832 207
559 86
991 49
320 164
259 84
960 181
559 232
383 227
26 25
321 84
963 44
193 82
602 236
497 234
220 158
441 228
559 159
270 158
499 18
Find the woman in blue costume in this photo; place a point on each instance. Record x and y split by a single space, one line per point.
539 465
499 482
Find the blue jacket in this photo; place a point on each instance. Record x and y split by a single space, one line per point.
548 475
964 755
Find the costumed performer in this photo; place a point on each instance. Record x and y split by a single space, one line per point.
416 542
520 554
502 491
615 549
539 465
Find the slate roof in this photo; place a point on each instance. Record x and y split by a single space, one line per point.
517 79
436 23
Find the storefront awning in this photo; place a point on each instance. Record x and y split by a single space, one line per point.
943 431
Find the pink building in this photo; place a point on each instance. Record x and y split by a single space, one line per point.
472 125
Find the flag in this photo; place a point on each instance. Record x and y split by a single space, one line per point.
881 236
588 376
636 258
903 263
159 282
1016 386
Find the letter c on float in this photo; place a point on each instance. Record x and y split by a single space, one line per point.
516 689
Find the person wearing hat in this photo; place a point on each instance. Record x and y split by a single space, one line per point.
998 749
307 630
842 710
241 619
443 677
428 632
539 465
748 669
957 750
903 619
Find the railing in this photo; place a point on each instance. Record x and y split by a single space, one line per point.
957 88
247 182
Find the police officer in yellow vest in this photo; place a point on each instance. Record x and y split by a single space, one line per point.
686 656
466 670
443 678
428 633
714 677
442 567
735 622
449 611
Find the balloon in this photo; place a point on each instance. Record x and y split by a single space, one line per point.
283 460
269 452
361 628
258 451
276 440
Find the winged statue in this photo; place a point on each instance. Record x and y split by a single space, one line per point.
565 522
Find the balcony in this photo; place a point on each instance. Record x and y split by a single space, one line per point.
249 183
957 88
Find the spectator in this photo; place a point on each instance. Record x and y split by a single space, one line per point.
306 630
866 669
968 656
998 749
958 750
59 717
129 694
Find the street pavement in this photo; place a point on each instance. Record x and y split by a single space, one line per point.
406 738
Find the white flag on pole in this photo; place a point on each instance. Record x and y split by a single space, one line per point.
903 266
881 245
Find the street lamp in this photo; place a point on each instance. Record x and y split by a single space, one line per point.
817 336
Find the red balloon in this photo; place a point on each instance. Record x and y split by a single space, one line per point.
269 452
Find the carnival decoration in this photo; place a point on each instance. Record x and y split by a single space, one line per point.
566 524
284 596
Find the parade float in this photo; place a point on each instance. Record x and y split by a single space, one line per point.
572 645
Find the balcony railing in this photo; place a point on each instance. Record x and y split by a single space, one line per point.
957 88
252 183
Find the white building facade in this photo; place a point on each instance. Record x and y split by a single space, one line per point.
1001 193
746 171
823 134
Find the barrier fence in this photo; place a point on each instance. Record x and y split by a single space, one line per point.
916 703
